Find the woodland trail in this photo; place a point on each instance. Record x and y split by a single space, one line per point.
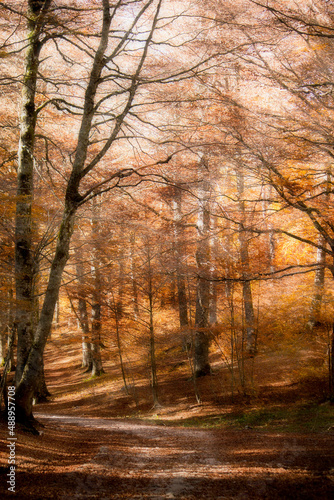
94 458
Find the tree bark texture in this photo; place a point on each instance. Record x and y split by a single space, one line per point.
180 267
82 315
28 384
244 259
213 292
153 363
270 237
119 343
133 276
97 368
201 337
319 283
42 393
24 258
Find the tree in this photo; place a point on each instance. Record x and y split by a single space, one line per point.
83 319
245 267
97 368
25 269
116 79
179 250
319 283
203 259
24 266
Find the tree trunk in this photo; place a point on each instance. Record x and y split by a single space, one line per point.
119 343
119 304
319 279
133 276
97 368
24 264
28 384
331 368
270 236
249 318
42 393
83 317
201 337
6 366
153 363
87 361
3 344
251 339
319 283
272 249
154 378
11 326
56 316
180 267
213 292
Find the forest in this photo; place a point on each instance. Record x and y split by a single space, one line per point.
166 216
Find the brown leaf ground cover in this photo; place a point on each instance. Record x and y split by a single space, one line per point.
98 442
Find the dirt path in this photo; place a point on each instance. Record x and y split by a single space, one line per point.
123 459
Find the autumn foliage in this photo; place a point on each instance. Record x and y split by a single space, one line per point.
166 192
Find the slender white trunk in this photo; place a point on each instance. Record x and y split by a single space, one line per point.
213 292
83 317
180 267
97 368
133 276
201 337
319 283
153 363
245 267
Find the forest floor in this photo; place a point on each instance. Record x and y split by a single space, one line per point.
97 442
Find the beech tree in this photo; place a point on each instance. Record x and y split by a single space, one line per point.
106 108
245 267
203 260
82 314
180 263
